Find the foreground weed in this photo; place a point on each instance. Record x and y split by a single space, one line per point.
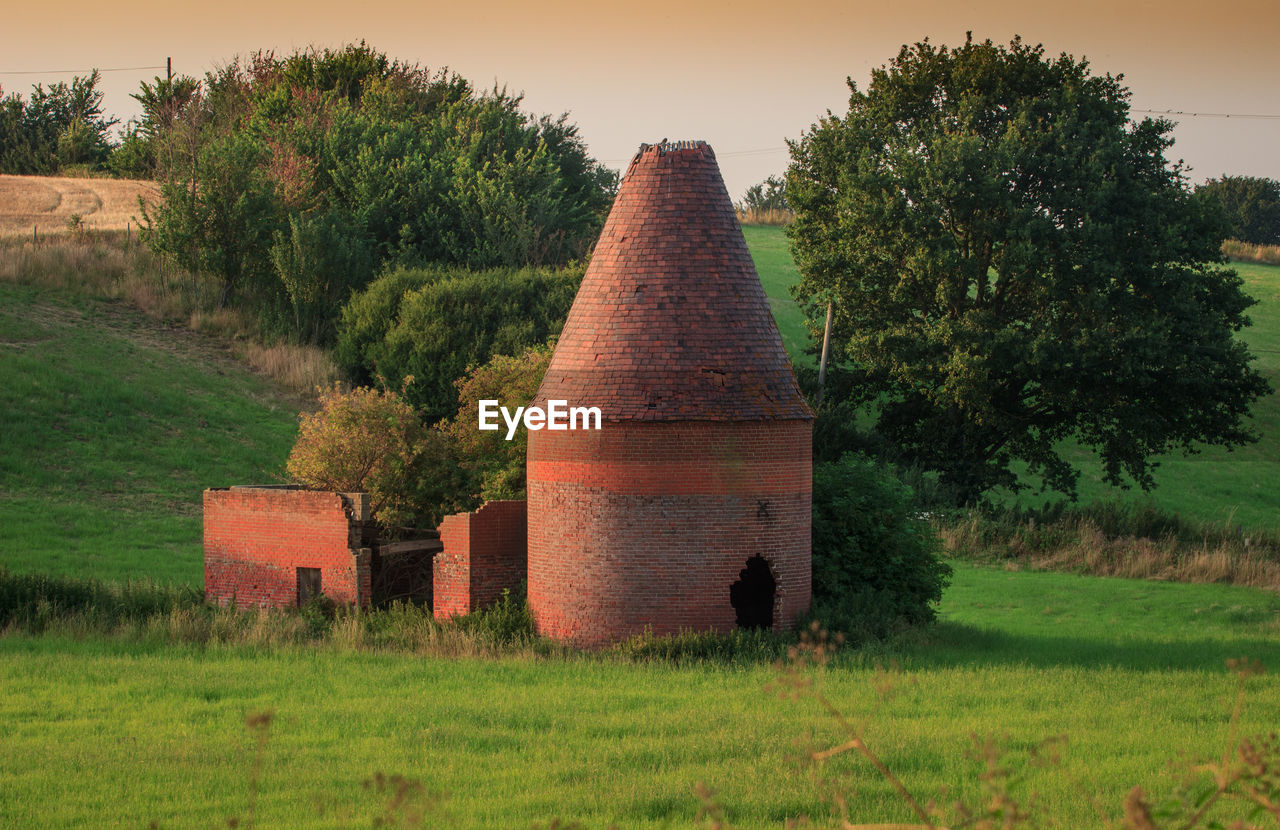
1247 775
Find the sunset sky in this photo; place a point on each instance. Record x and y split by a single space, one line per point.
742 75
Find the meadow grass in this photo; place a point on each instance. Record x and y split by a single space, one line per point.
116 427
772 256
106 731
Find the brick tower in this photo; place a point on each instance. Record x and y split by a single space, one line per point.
690 508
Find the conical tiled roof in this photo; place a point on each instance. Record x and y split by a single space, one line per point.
671 322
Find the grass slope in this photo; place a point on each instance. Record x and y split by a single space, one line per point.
1215 485
1132 672
113 428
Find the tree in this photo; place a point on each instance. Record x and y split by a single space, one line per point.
266 161
1252 205
1013 263
54 127
496 465
770 194
372 441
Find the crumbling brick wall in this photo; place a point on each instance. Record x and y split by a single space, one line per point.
484 553
257 537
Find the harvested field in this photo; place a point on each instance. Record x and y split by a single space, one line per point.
47 203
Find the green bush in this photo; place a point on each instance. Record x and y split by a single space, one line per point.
875 564
436 324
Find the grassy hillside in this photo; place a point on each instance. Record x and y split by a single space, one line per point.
1214 486
110 732
114 425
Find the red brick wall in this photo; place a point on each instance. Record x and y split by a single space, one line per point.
484 553
649 524
256 537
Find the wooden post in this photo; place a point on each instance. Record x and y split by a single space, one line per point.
826 346
168 69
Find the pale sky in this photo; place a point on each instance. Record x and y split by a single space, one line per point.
743 75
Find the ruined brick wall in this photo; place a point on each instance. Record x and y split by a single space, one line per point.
255 539
484 553
649 525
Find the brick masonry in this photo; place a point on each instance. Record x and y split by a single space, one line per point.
647 525
255 539
704 459
484 553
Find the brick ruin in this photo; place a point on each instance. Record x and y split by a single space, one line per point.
688 509
277 546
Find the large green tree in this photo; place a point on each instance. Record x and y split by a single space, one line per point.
1013 262
1252 205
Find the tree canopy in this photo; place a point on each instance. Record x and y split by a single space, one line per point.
295 180
54 127
1013 262
1252 205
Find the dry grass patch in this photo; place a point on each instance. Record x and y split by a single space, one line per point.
50 204
765 217
303 369
1079 544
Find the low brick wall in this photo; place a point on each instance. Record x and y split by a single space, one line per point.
256 539
484 553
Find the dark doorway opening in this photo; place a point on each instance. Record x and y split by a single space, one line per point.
752 595
308 584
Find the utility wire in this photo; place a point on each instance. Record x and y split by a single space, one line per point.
1206 114
78 71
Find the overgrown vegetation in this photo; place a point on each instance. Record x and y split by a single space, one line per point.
765 203
1246 252
59 129
372 441
295 180
1251 205
875 565
436 324
1014 265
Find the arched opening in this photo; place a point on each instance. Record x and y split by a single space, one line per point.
752 595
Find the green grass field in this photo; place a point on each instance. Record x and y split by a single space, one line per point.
115 425
105 733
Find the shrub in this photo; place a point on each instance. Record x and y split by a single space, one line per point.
875 565
455 319
373 442
496 465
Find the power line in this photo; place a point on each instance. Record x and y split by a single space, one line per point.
1206 114
78 71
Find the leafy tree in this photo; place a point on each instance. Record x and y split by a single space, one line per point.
770 194
1252 205
1014 263
319 260
222 219
374 442
437 324
55 127
409 167
496 465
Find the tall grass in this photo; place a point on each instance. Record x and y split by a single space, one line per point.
1248 252
765 216
113 265
1115 539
